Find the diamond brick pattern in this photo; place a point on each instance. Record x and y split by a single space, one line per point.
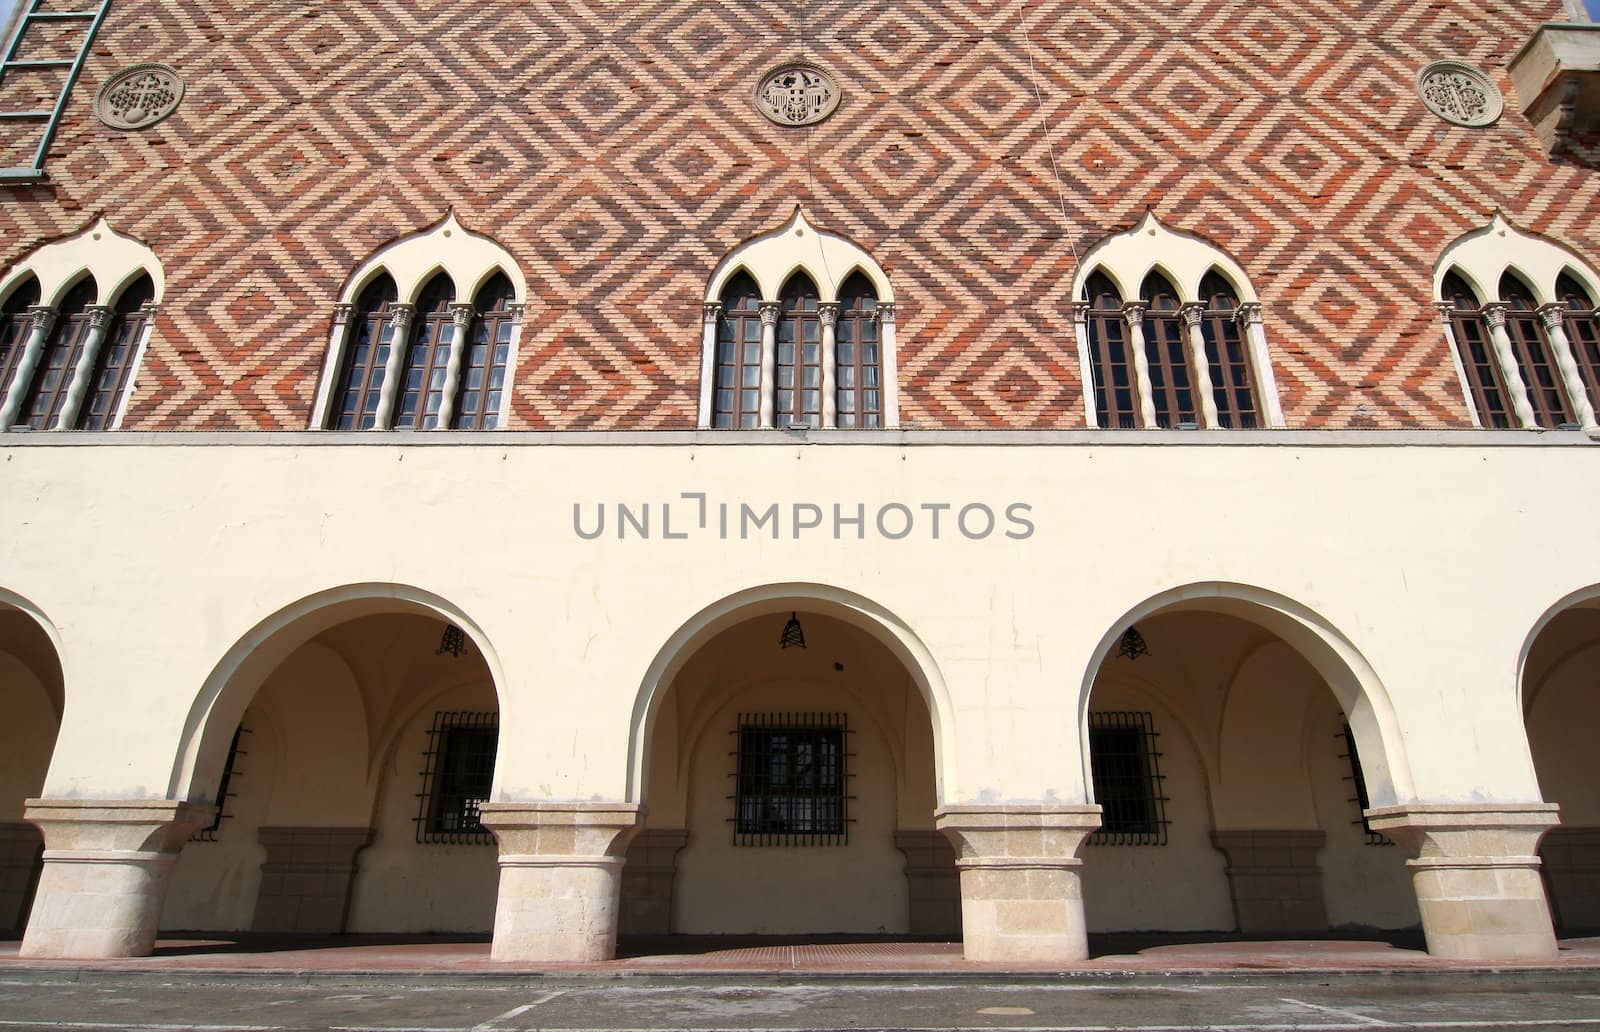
613 149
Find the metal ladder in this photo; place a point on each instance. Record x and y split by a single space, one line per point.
50 117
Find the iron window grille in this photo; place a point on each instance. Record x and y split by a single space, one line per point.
791 780
458 770
1347 738
225 788
1126 767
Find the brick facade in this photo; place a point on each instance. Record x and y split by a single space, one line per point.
614 150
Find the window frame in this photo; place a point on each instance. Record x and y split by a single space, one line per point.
1535 355
757 801
1146 793
1166 349
858 328
1222 334
799 331
1473 344
456 737
118 356
42 405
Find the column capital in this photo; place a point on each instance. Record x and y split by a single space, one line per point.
828 313
1495 313
1080 309
1445 309
400 316
342 313
99 316
1133 311
517 309
44 319
710 312
462 314
770 310
1192 312
885 313
1249 314
1554 315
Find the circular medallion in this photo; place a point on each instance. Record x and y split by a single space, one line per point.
1460 93
139 96
797 94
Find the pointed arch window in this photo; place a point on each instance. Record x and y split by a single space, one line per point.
1471 332
1583 331
483 370
1116 401
113 368
42 403
16 325
799 369
1531 347
427 358
1227 355
858 356
1171 386
361 377
737 398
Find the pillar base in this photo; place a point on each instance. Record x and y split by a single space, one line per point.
560 878
1476 874
647 880
933 881
1276 883
1021 893
105 873
307 878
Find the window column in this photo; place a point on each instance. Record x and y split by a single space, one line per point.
710 316
462 315
1133 314
1195 341
1250 320
770 311
1554 317
828 315
1495 314
400 328
1080 330
44 320
889 357
83 372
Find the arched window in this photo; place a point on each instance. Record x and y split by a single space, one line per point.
427 358
858 356
1227 356
737 401
113 368
1116 402
361 377
1171 388
52 377
1531 347
1583 330
799 371
16 325
1471 334
483 371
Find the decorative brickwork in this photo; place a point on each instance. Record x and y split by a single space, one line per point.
616 153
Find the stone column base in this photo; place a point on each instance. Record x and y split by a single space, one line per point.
1476 876
306 878
1021 894
560 878
1572 872
647 880
106 867
19 865
1276 883
933 881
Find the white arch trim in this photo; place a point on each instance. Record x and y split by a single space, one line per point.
468 258
1585 597
114 259
1484 255
233 682
860 612
11 600
1360 692
797 246
1128 257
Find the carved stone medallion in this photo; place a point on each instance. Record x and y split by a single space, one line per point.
1460 93
797 94
139 96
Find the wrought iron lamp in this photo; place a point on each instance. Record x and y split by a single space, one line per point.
792 633
1133 645
453 642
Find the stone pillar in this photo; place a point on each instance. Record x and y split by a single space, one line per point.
1251 324
889 354
1194 339
647 880
461 316
307 878
81 379
1133 315
1476 876
1021 894
770 310
106 865
1275 880
933 881
1510 372
1572 871
828 316
44 320
19 863
399 329
710 319
560 878
1554 318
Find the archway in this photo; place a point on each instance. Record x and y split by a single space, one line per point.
1560 683
348 741
1234 739
32 694
790 788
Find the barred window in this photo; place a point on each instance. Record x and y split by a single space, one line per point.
366 355
113 367
16 326
1126 768
1358 783
226 787
1232 386
1471 333
791 780
736 401
427 357
858 356
1171 384
52 378
1531 346
456 777
1116 402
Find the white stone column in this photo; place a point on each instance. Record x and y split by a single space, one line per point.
1080 331
828 315
337 342
1252 325
1446 311
1475 868
399 342
105 874
83 372
560 878
44 320
1554 318
769 363
1021 893
1495 315
1133 313
516 310
891 365
462 316
710 316
1199 367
